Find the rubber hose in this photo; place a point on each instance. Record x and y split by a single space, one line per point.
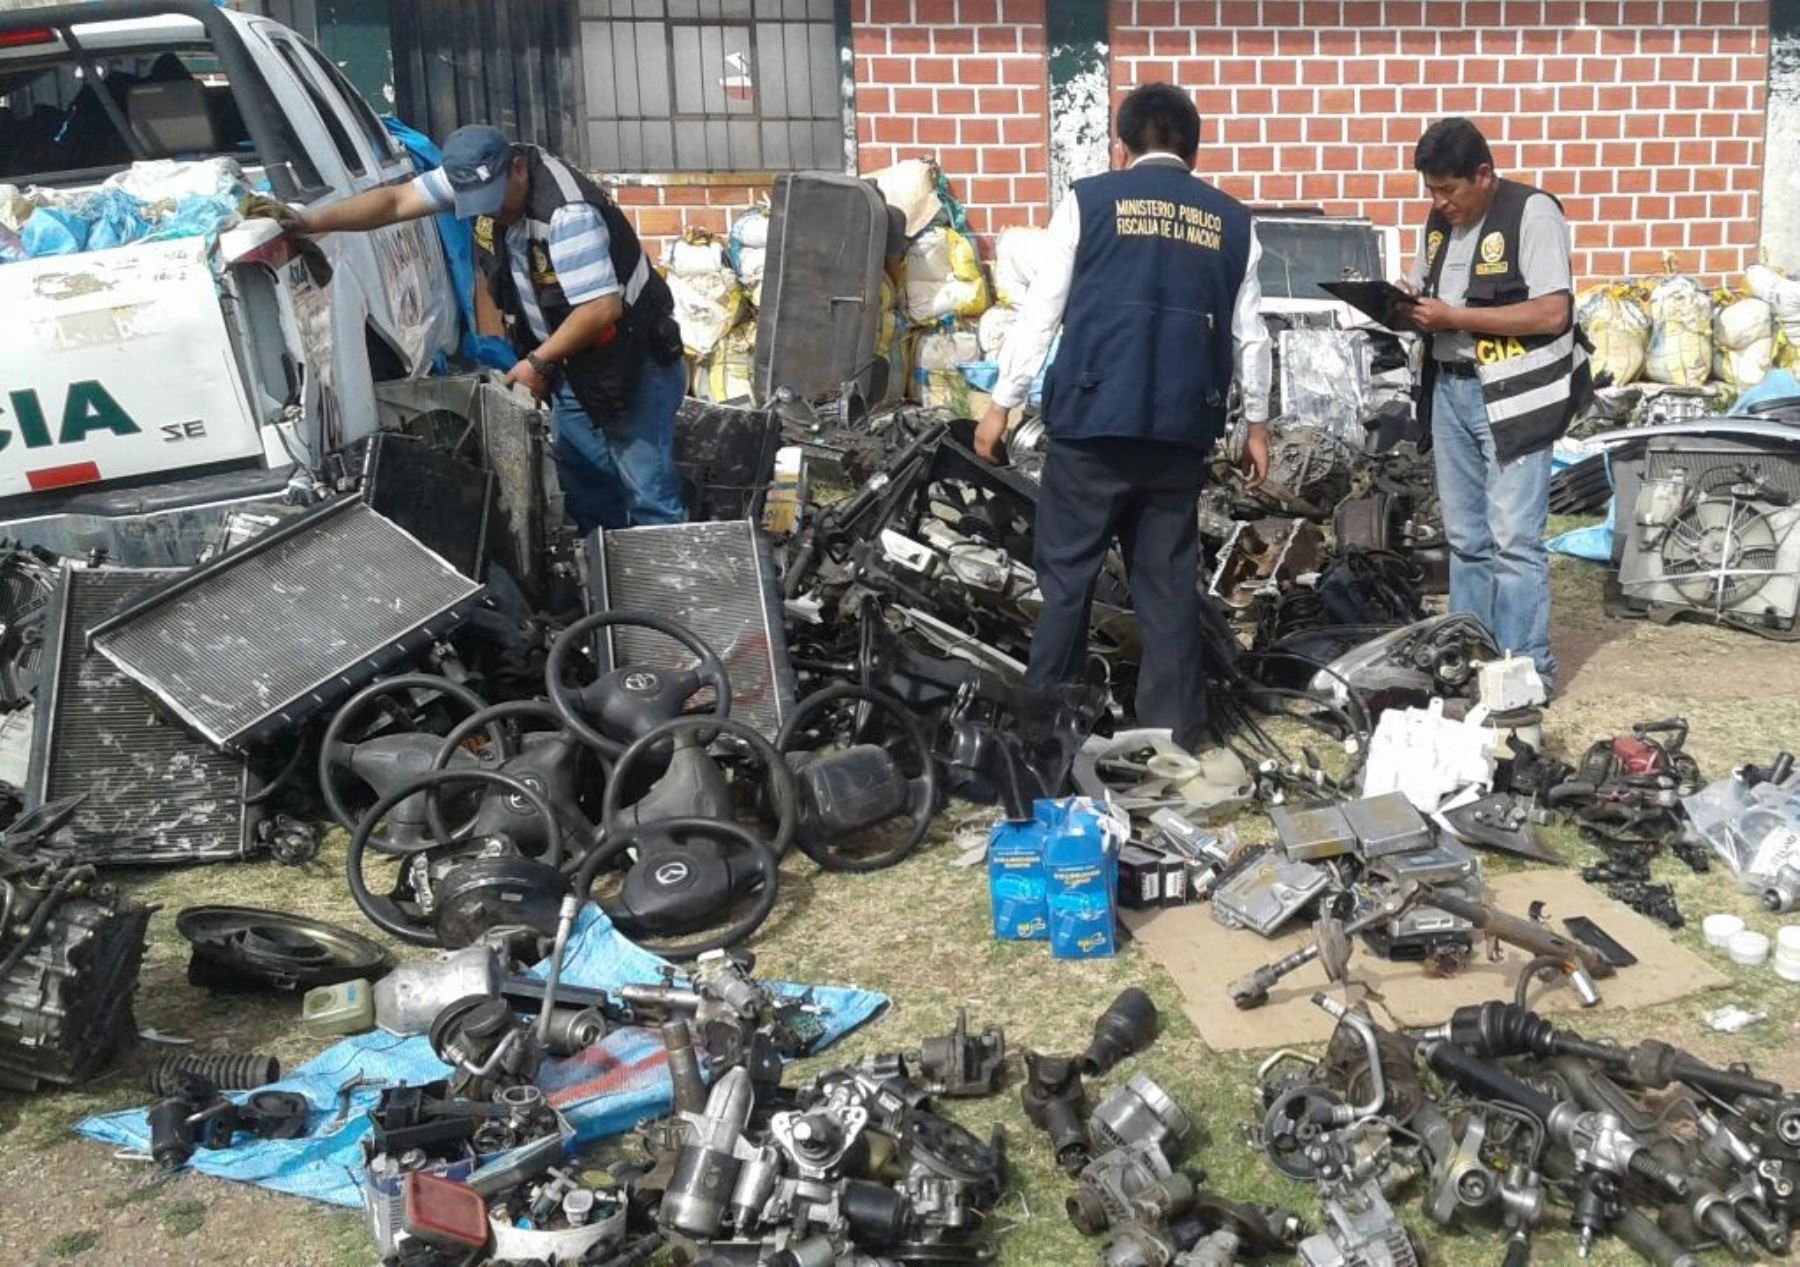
228 1071
1451 1062
1573 790
262 795
373 907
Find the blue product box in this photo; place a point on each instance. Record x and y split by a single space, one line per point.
1081 873
1016 876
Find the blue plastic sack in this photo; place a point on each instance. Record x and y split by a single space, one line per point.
203 216
981 375
1776 385
52 231
116 219
458 240
606 1090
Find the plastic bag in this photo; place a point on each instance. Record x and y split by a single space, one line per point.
1017 257
1743 342
1681 334
1618 324
1782 294
696 254
15 208
706 306
943 278
725 372
173 180
53 231
938 381
200 217
748 251
912 187
115 218
1754 830
995 324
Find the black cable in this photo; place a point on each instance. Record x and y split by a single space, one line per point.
281 780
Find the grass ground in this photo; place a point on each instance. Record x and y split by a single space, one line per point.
920 934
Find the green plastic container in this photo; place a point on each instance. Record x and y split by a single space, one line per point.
346 1008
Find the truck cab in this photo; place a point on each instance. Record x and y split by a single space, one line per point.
151 387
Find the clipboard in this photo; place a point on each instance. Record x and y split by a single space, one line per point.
1379 301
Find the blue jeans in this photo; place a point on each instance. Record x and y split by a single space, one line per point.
623 475
1494 518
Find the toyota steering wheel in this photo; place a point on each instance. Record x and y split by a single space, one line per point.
633 699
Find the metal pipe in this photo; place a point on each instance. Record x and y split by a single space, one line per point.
1347 1114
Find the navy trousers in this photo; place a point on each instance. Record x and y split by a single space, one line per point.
1141 493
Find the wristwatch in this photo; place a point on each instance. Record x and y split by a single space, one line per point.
539 364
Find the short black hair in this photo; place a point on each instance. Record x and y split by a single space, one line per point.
1452 147
1160 117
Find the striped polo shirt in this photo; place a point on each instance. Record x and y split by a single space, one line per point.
580 251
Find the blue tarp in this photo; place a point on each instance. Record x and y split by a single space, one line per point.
607 1089
458 237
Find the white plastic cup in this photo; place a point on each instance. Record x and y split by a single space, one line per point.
1748 948
1720 928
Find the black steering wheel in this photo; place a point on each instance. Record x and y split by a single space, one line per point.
676 883
525 710
390 760
632 700
922 800
386 913
681 883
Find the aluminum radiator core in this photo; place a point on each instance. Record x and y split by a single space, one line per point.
718 579
248 647
155 793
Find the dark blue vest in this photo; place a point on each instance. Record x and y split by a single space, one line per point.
1146 350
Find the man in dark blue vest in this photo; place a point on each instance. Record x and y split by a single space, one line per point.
593 324
1152 273
1505 374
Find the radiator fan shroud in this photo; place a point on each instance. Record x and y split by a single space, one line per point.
1720 552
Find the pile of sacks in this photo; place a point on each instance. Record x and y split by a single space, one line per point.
717 285
1675 332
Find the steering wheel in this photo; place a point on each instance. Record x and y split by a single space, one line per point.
386 913
528 833
674 883
389 761
632 700
679 883
922 800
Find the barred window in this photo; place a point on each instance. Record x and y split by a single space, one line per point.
713 85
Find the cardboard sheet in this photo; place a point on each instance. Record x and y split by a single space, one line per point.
1203 956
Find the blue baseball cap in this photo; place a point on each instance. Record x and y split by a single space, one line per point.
476 160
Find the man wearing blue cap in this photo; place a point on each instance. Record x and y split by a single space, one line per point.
593 323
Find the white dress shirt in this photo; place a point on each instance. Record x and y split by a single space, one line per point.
1028 343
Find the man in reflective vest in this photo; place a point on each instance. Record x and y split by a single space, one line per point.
592 322
1505 374
1152 273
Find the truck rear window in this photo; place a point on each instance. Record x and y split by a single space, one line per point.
55 127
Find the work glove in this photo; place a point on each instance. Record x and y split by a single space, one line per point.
310 252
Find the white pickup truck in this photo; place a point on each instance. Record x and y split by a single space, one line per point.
148 389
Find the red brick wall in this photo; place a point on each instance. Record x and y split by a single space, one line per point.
1645 117
660 209
962 81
